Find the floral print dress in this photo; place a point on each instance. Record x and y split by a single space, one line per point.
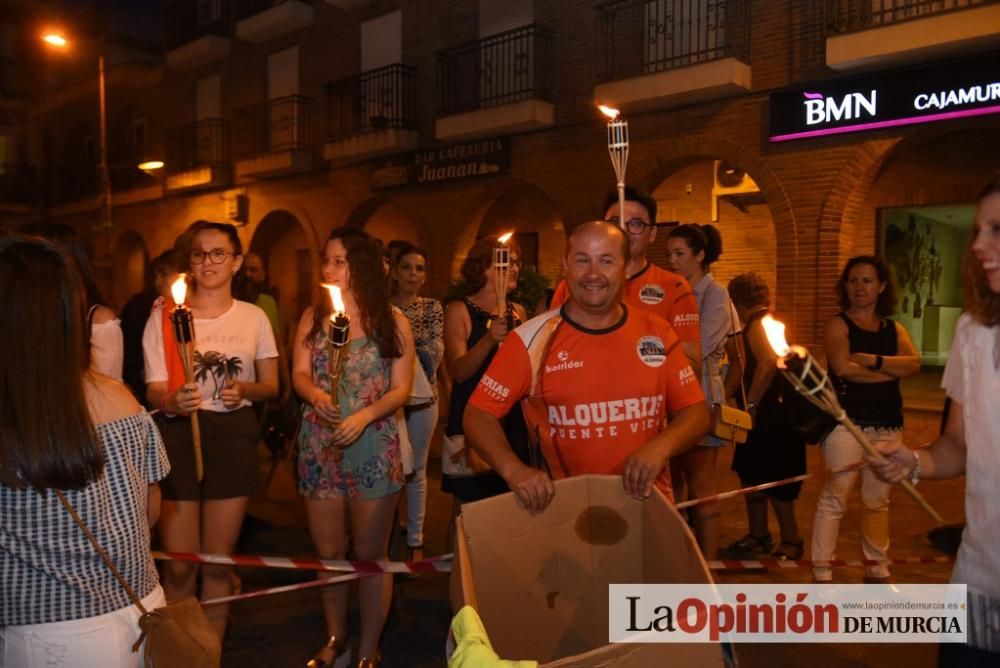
371 467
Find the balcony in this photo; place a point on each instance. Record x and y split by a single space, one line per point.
197 32
263 20
371 114
500 84
657 54
274 138
864 34
198 156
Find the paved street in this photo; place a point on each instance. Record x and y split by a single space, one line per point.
284 630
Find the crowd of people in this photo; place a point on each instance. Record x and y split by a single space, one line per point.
521 411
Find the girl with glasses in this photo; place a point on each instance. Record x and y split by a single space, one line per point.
235 364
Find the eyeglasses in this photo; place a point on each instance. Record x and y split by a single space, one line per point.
632 225
215 256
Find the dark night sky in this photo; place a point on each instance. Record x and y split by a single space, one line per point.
137 19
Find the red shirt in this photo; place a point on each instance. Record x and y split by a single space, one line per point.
607 392
658 291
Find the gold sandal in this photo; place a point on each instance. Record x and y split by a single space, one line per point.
339 652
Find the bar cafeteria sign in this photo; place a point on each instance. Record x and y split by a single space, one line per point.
456 162
888 99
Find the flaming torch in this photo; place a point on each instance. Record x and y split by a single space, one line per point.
338 333
183 322
811 381
501 274
618 149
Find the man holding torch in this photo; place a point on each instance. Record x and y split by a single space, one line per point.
649 287
617 426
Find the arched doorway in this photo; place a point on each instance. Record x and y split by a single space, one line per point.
130 261
918 214
708 190
281 242
529 213
385 220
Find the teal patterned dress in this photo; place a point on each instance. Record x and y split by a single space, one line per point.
371 467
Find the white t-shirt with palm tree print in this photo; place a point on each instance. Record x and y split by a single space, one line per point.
225 350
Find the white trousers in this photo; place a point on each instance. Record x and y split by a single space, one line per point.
840 450
104 641
421 424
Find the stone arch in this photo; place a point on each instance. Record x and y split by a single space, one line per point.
653 167
387 218
524 208
288 245
130 262
844 209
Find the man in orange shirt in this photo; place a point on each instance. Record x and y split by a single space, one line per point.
647 286
609 378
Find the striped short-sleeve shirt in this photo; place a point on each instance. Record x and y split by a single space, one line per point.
49 571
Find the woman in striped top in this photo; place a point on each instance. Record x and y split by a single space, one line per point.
65 427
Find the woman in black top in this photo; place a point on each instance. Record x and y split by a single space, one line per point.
867 354
773 450
472 334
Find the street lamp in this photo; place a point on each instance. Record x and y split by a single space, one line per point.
59 41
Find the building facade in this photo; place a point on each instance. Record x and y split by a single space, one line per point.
793 126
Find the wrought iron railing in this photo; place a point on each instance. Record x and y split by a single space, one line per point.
499 69
282 124
205 143
375 100
247 8
849 15
645 36
187 20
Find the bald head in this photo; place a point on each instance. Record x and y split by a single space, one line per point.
598 229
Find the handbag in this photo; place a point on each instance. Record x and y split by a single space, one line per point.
177 634
729 423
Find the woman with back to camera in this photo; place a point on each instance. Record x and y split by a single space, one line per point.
773 449
867 354
235 364
691 250
107 344
970 443
350 468
67 428
409 272
472 332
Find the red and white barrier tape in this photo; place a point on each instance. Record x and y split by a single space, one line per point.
441 564
286 588
715 498
775 564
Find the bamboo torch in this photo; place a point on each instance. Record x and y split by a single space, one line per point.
183 322
501 274
338 333
618 150
811 381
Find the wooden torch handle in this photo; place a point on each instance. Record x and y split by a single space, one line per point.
199 465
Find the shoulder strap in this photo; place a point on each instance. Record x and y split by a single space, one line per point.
538 350
90 316
104 556
739 358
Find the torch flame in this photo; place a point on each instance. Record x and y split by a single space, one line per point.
775 332
610 112
179 289
505 238
335 299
